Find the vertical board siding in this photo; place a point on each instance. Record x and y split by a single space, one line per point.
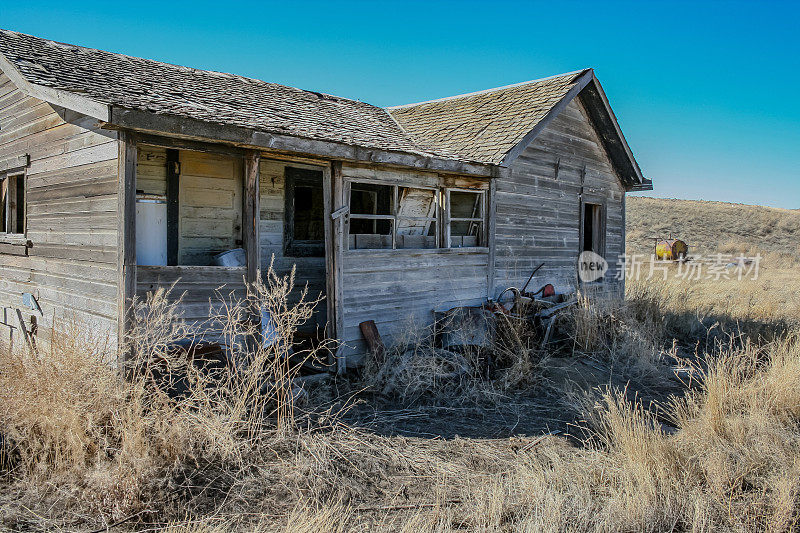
538 213
71 188
210 206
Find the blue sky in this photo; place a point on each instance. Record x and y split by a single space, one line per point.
705 92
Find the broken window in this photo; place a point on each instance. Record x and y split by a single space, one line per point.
305 213
416 218
392 216
465 218
372 217
12 204
397 217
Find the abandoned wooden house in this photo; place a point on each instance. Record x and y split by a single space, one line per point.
120 175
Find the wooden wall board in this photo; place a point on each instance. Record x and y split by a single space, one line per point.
71 215
538 205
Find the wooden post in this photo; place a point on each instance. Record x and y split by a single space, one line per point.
252 215
337 186
126 241
330 262
491 231
250 238
173 205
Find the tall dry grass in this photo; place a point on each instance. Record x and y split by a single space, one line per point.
88 441
93 449
731 466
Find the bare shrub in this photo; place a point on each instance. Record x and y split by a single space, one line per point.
121 443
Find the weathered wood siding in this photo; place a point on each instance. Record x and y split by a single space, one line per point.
309 270
401 289
538 207
204 291
71 191
210 206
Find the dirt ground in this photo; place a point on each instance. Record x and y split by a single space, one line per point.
551 406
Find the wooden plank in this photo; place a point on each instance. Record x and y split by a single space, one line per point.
372 337
330 273
252 213
339 201
492 241
28 340
13 249
126 243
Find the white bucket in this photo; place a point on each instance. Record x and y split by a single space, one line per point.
231 258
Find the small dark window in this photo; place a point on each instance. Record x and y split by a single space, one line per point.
12 204
304 232
592 228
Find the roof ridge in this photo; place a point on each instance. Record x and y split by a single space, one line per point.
485 91
175 65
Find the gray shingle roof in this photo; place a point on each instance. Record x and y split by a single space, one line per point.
480 127
483 126
215 97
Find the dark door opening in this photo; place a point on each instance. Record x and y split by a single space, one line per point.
305 214
592 229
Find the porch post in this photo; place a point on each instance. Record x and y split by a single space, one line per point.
252 215
126 241
338 243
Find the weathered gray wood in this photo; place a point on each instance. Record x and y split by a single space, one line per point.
252 215
71 212
24 330
330 261
539 207
580 83
126 244
491 232
338 242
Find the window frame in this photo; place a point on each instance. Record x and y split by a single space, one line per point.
441 216
482 219
20 175
293 247
600 223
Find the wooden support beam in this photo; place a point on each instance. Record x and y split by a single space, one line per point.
173 205
330 262
339 201
126 241
250 233
492 231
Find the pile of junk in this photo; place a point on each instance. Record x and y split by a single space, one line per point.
466 339
477 326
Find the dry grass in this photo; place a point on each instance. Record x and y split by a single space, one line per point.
711 227
236 453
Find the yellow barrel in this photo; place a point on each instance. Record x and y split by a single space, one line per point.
671 250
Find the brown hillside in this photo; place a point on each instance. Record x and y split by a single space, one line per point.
710 227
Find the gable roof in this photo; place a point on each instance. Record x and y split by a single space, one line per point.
494 126
486 125
477 133
162 88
